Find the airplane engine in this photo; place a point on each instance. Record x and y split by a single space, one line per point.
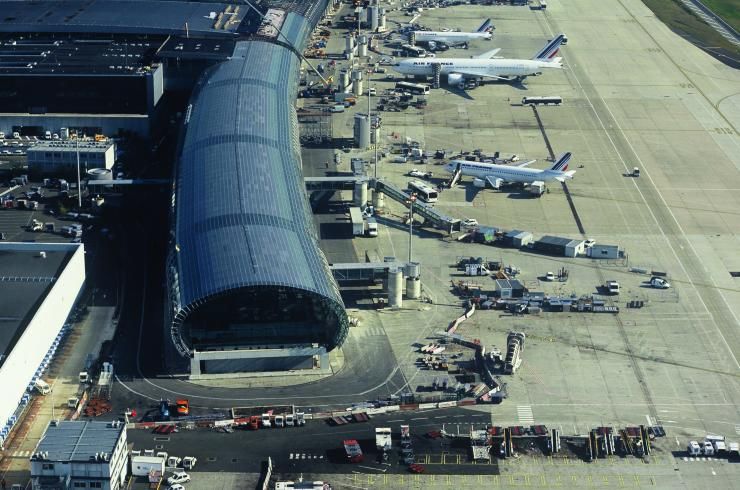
454 79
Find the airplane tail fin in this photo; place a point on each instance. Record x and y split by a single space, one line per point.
486 26
561 164
550 50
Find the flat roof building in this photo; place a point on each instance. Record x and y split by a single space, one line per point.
564 247
37 294
80 454
60 156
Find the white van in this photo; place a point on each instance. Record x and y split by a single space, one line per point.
337 108
42 387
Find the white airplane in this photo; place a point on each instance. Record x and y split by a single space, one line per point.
495 175
484 65
432 38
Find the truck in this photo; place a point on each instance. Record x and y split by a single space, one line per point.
371 227
358 223
144 465
537 188
383 439
353 451
612 287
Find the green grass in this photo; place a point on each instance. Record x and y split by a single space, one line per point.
729 10
680 19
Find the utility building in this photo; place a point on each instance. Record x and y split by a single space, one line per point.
564 247
598 251
80 454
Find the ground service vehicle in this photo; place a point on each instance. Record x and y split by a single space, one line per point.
414 88
612 287
659 283
182 407
358 224
42 387
423 191
542 100
143 465
188 462
164 409
372 227
353 451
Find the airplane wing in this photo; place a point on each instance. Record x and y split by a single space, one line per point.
475 74
487 55
524 164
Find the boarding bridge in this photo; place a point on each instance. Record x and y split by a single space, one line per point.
342 183
428 212
366 271
128 182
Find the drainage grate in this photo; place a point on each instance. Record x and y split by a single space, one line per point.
735 274
164 439
159 446
234 460
211 459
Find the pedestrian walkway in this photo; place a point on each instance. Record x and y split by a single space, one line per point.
85 337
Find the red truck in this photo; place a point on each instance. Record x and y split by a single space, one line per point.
353 451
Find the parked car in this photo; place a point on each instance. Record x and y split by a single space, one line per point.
178 477
659 283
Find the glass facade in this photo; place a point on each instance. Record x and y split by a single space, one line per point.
245 267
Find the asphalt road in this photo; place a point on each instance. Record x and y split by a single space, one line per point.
317 447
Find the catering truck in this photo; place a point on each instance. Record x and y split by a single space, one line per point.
144 465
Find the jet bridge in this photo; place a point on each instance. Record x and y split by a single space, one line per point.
341 183
428 212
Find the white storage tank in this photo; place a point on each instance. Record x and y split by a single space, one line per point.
362 129
395 288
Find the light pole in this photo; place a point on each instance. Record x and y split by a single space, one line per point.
411 201
79 188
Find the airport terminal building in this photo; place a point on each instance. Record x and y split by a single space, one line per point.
250 290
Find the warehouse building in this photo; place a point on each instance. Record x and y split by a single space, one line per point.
38 288
518 238
80 454
249 288
564 247
60 156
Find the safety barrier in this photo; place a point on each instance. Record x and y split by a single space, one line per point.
315 416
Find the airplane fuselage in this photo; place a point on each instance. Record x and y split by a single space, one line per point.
504 172
449 37
474 67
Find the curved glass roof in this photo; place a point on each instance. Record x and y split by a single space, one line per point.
241 213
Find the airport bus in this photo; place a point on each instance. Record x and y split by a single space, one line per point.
414 88
423 191
542 100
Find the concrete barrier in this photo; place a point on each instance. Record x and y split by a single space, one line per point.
410 406
447 404
392 408
223 423
427 406
463 403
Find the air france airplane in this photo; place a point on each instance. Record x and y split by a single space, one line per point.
485 66
495 174
433 37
